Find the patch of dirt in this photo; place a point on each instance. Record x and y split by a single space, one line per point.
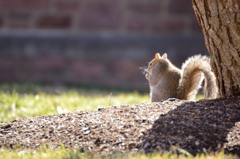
193 126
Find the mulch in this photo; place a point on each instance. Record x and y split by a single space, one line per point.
178 126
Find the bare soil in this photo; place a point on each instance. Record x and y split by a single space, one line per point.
196 127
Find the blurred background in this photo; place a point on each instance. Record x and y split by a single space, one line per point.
101 43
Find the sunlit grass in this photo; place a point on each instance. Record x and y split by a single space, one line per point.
25 101
45 153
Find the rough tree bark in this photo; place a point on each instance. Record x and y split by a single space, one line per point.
219 21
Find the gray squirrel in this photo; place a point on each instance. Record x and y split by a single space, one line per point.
167 81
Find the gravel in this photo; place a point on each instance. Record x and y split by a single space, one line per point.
176 126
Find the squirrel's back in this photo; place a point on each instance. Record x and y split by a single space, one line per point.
163 78
166 86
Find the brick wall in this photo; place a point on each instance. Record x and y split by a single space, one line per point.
99 42
145 16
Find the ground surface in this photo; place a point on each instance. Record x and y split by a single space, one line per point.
192 126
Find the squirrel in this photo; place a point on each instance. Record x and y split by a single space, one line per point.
167 81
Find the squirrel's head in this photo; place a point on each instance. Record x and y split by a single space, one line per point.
158 58
157 65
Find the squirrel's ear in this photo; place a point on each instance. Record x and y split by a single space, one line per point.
157 56
164 56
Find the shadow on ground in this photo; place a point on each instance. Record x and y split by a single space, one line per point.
197 127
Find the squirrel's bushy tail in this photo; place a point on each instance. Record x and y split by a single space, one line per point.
192 76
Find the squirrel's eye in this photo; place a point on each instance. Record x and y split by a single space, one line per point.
150 64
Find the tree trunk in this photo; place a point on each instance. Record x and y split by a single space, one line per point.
219 21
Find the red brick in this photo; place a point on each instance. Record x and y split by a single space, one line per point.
7 76
195 26
67 6
168 25
53 21
11 68
37 69
23 4
19 19
52 64
9 63
18 26
1 21
123 72
180 7
100 16
126 68
136 24
88 68
145 7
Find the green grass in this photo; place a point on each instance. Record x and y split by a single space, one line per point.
45 153
27 101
